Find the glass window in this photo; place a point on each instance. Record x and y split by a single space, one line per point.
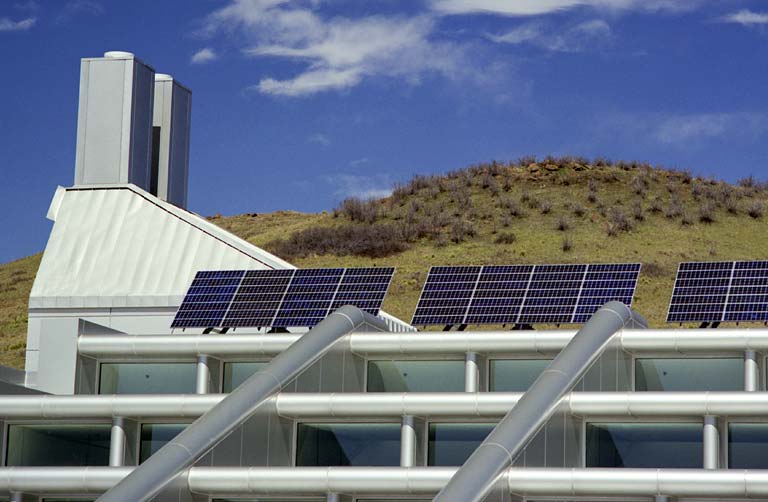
58 445
452 444
155 436
237 373
282 499
348 444
416 376
656 445
747 444
147 378
689 374
515 375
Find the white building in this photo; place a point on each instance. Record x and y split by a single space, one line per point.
370 410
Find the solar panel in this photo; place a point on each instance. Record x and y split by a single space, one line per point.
522 294
279 298
720 292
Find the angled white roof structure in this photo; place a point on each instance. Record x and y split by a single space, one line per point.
120 246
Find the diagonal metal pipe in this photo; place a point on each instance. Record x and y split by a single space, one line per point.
213 426
476 477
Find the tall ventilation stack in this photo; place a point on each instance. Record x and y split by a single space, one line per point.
114 123
170 140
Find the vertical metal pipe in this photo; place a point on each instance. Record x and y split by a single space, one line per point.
407 442
661 498
333 497
117 442
203 375
16 497
471 373
711 443
751 371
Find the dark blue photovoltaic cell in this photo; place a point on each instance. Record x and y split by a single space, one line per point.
279 298
522 294
208 298
734 291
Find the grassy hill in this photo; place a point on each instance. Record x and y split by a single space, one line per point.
554 210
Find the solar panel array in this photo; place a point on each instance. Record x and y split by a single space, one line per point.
279 298
523 294
720 292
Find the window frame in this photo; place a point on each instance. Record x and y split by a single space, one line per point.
8 423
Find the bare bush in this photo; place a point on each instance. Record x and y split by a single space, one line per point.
618 221
358 210
638 213
545 207
657 205
578 210
563 224
374 241
687 219
756 209
505 238
674 209
707 212
462 229
567 244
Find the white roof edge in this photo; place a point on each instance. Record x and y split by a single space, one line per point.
199 222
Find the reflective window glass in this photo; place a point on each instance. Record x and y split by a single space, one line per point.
239 372
515 375
348 444
147 378
452 444
416 376
155 436
747 444
58 445
689 374
655 445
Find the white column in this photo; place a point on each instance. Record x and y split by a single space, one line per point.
661 498
751 371
407 442
117 442
333 497
471 373
711 443
203 375
16 497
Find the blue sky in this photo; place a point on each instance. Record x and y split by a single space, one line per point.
298 104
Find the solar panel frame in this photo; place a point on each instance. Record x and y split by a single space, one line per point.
286 297
722 291
522 294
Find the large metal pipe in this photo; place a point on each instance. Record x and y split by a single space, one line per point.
454 343
203 375
391 405
407 441
711 443
397 481
471 373
475 478
117 442
203 434
751 371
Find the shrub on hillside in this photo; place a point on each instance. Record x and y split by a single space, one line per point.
545 207
505 238
567 244
756 209
675 208
358 210
461 229
374 241
707 212
637 210
563 224
579 210
618 222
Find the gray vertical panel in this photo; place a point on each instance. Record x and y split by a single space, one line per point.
608 369
573 446
625 371
257 440
535 453
332 372
281 441
141 125
555 430
309 380
87 375
228 453
58 360
3 439
132 435
592 379
354 373
178 161
100 121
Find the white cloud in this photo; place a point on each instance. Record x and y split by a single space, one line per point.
575 39
681 129
338 53
746 17
7 24
365 187
520 8
319 139
204 55
358 162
